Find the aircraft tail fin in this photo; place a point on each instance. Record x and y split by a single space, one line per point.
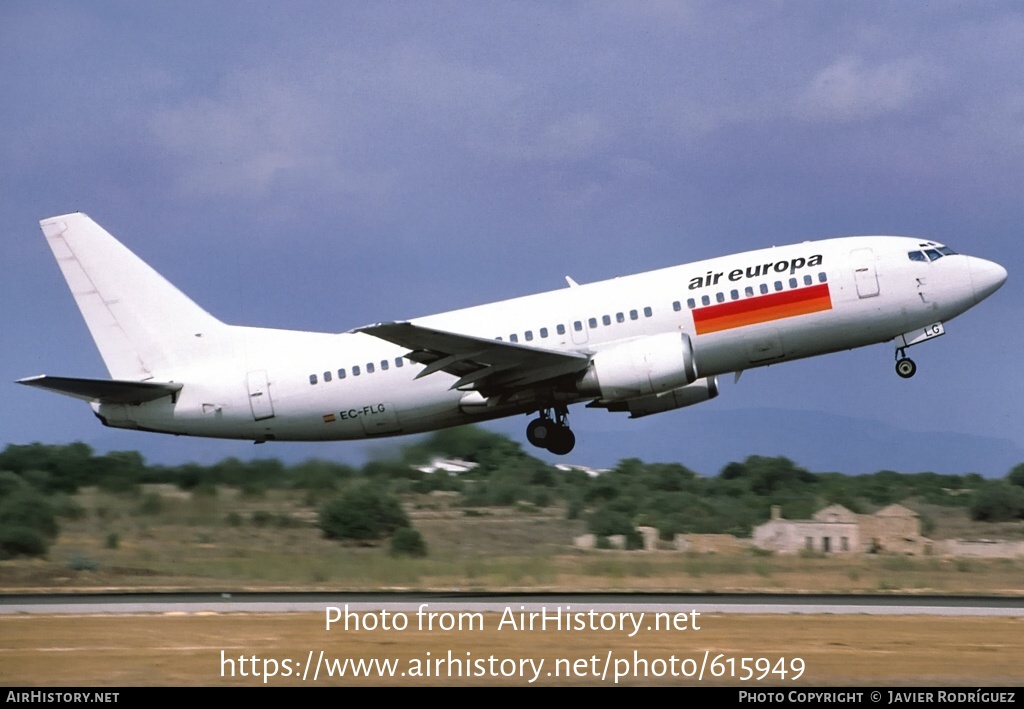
140 322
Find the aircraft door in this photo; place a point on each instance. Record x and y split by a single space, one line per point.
864 272
259 395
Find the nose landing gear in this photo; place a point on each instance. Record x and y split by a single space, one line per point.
553 435
905 366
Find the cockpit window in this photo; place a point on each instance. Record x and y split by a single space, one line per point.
932 254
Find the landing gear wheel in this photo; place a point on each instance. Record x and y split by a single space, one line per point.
906 368
550 433
562 440
539 432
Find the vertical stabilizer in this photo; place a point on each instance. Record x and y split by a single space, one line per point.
141 323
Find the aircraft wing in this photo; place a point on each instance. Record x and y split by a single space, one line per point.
105 391
492 367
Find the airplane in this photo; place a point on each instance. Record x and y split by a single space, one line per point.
641 344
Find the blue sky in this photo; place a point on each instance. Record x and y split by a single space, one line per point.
321 166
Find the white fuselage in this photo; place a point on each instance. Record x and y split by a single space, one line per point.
740 311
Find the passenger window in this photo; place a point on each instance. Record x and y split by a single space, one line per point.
620 317
734 294
778 285
720 297
369 367
384 365
577 326
764 288
633 315
513 338
560 329
648 312
543 332
592 322
748 291
705 300
312 379
341 373
606 319
399 362
529 335
808 280
327 376
677 306
355 371
822 277
793 283
691 303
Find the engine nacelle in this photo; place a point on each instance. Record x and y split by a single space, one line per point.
688 395
650 365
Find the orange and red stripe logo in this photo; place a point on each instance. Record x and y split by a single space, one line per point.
762 309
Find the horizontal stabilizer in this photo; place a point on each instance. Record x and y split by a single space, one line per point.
104 391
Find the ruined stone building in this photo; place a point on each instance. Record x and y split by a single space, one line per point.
837 530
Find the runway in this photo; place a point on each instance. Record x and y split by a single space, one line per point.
292 602
391 639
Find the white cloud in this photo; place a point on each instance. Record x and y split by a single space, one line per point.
255 133
557 139
850 89
236 142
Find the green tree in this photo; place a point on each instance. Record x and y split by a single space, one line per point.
319 475
606 521
1016 476
408 542
364 513
28 525
121 471
69 466
998 502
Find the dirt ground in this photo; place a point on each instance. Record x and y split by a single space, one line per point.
782 650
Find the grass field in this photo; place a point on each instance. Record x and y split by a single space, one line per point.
166 539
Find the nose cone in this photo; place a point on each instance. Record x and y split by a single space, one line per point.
986 278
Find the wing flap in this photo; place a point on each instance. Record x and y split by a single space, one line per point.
104 391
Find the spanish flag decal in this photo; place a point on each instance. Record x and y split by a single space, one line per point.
329 418
762 309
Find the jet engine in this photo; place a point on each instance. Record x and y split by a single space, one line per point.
650 365
691 394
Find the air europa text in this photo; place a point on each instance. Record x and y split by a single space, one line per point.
712 278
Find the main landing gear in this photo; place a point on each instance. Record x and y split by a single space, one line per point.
552 434
905 366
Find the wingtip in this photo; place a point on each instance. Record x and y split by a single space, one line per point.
63 217
54 226
29 381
